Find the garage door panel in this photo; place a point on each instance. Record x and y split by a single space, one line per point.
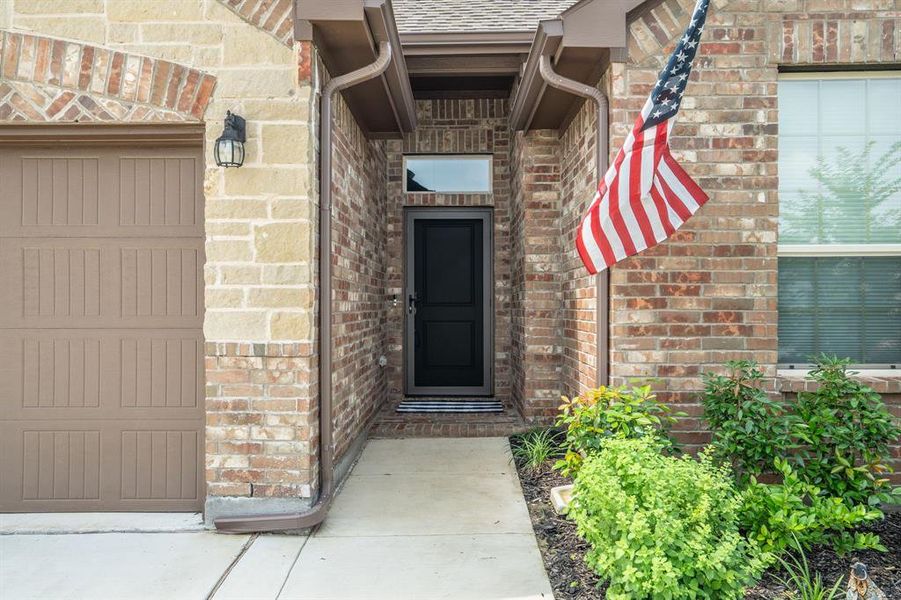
61 282
59 465
101 192
152 191
66 374
101 343
46 191
60 191
118 466
159 464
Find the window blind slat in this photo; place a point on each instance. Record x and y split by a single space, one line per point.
840 161
848 306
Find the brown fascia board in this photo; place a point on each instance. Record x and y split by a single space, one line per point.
531 86
347 34
470 64
456 43
380 15
583 34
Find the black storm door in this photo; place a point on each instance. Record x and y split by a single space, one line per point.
447 302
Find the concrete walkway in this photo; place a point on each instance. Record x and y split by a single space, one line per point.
417 519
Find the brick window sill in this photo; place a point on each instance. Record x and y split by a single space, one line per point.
883 381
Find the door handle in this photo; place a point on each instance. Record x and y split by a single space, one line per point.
411 303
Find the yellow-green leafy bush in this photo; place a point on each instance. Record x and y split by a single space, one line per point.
606 413
662 527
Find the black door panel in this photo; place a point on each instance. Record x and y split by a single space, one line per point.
448 319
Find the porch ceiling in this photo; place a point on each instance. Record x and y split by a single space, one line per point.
580 43
479 63
347 34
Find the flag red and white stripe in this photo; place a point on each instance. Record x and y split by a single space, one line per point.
645 195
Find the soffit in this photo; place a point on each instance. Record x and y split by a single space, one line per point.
347 34
580 43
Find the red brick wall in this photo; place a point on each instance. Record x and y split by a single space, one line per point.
536 299
261 420
709 294
449 126
359 239
579 179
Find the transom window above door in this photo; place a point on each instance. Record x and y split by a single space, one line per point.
448 173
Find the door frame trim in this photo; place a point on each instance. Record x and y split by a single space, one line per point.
486 215
103 134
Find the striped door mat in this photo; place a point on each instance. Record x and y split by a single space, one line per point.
419 405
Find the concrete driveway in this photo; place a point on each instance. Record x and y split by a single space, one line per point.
417 519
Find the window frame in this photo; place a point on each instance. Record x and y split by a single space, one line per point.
836 250
451 156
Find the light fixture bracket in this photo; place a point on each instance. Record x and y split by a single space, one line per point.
235 128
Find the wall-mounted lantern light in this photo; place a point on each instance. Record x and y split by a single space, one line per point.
229 150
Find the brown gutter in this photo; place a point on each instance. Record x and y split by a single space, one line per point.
316 513
380 18
548 38
555 80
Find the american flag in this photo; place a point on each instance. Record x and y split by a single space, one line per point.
645 195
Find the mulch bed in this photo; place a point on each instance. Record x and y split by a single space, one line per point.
562 550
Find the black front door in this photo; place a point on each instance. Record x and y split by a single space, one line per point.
447 302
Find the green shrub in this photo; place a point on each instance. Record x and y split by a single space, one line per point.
661 527
845 430
606 413
749 429
774 514
534 448
836 437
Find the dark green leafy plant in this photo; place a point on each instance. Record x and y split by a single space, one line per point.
774 514
836 437
804 585
606 413
845 430
534 448
661 526
750 429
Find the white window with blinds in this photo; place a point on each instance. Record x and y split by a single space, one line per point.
840 217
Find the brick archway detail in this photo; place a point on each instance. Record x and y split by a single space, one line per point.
48 79
275 17
656 26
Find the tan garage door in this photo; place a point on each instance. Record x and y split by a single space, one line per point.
101 349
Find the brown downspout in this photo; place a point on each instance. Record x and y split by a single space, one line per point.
555 80
316 513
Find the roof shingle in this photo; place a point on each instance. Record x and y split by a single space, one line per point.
420 16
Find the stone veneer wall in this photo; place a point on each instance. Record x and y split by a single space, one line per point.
471 125
124 61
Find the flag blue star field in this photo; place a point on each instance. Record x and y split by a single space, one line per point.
645 196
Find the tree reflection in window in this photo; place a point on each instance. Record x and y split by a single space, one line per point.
857 200
413 185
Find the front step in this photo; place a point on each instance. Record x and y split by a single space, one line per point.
450 405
